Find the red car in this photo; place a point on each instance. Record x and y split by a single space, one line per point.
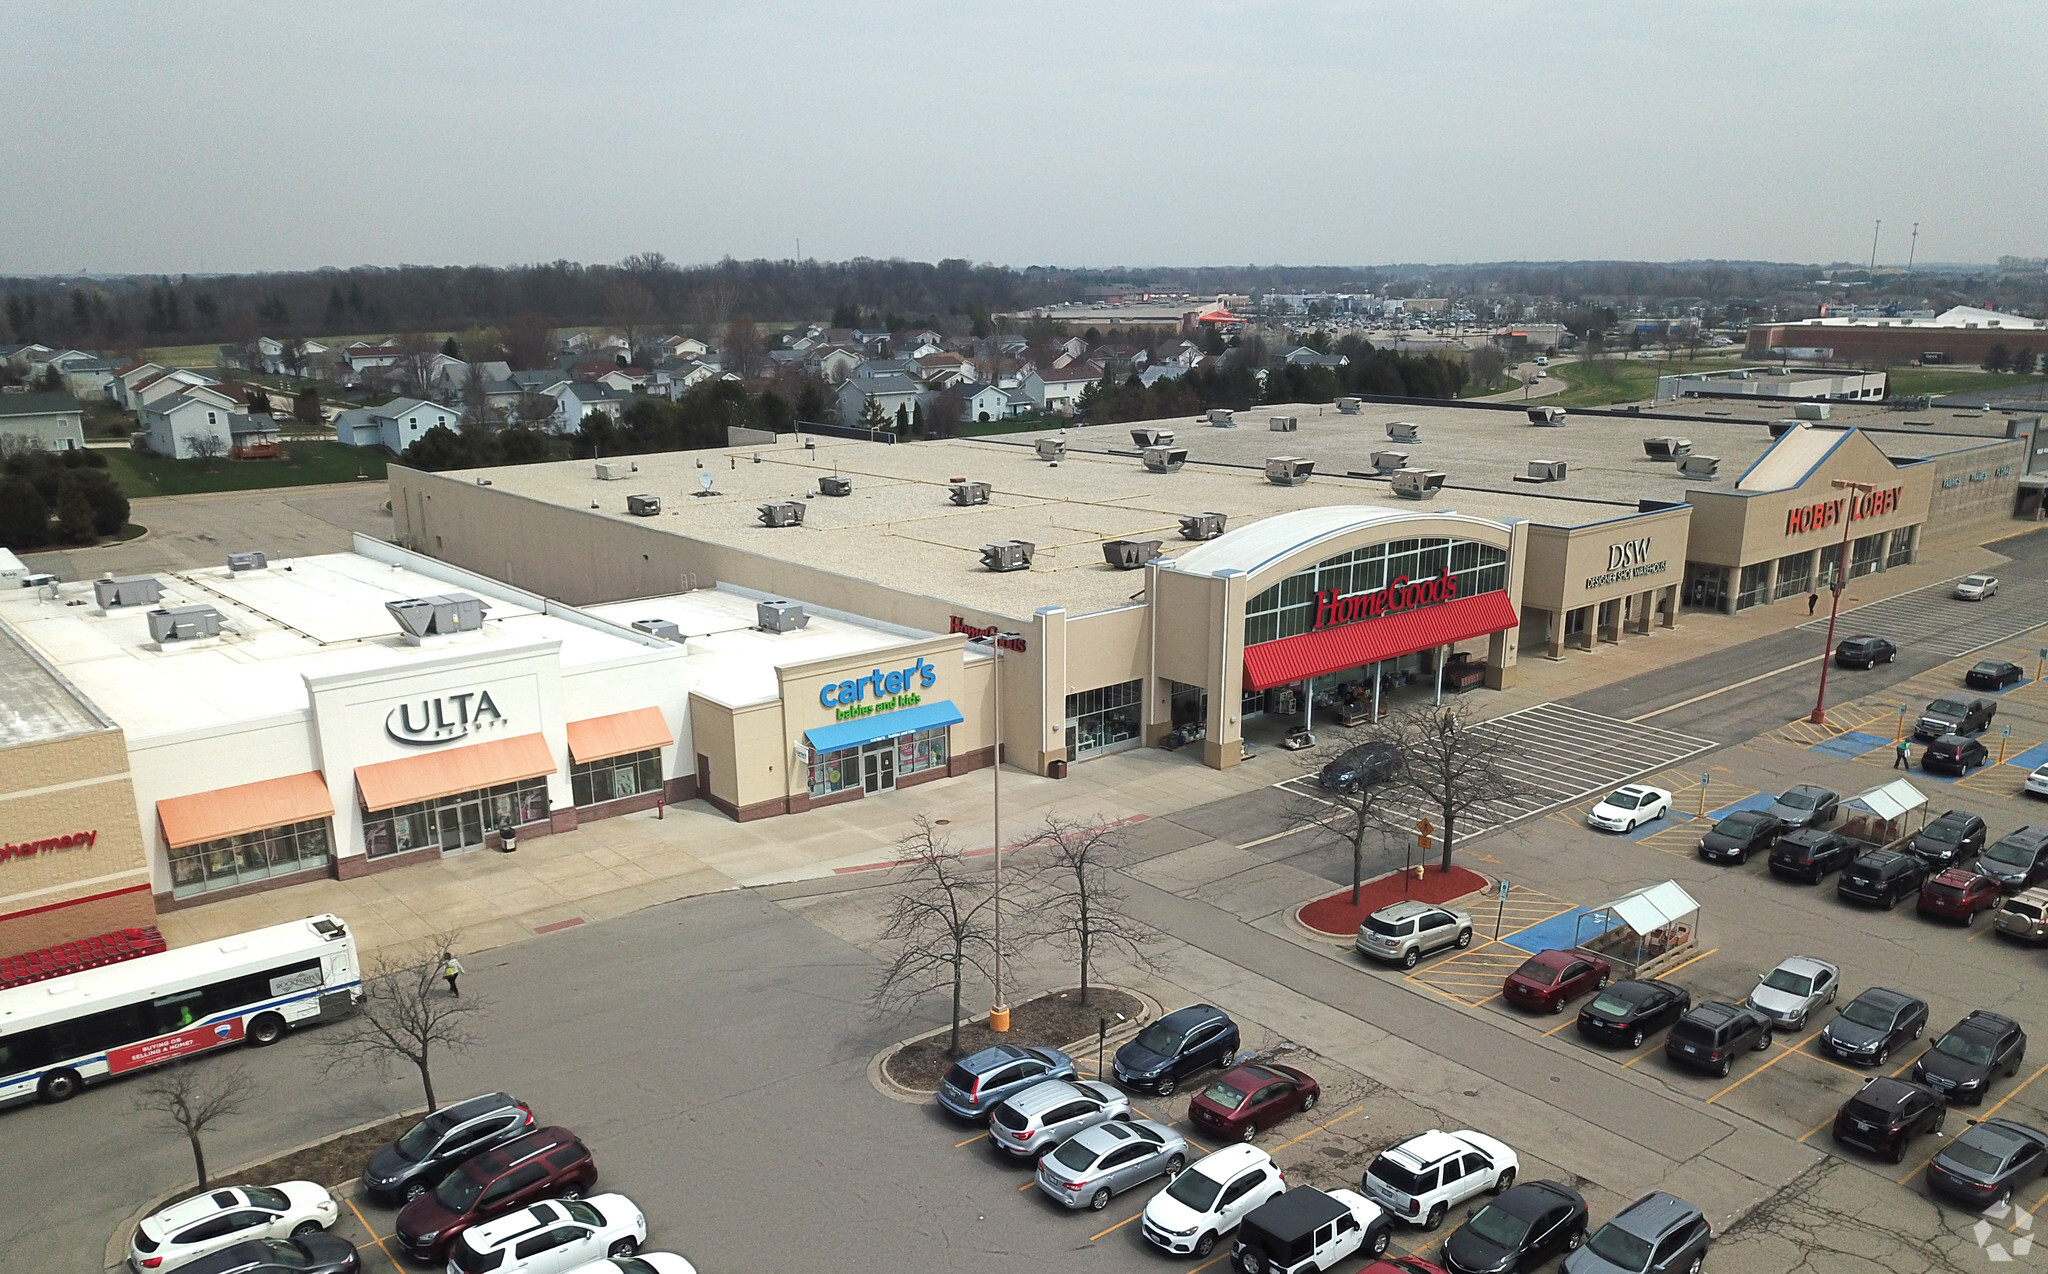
1550 979
548 1163
1957 893
1244 1099
1403 1265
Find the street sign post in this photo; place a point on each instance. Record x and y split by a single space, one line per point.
1502 909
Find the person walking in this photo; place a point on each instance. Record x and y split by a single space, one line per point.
1812 600
451 969
1902 753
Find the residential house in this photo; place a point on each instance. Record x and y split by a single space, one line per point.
256 437
579 398
923 336
888 392
127 378
1303 356
876 367
942 371
88 379
50 420
1073 347
164 385
875 342
17 357
361 357
393 426
917 349
836 362
1056 391
989 402
194 424
1152 375
687 374
683 347
509 392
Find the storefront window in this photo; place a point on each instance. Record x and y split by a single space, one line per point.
241 860
1866 556
454 822
834 771
1795 575
1288 609
925 750
1102 718
1755 582
614 777
1902 548
1830 565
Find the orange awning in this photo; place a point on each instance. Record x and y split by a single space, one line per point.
640 730
389 784
250 807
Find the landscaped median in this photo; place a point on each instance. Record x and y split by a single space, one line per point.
1334 918
910 1070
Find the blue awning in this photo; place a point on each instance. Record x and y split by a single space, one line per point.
883 725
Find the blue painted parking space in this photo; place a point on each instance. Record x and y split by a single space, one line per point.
1760 801
1671 819
1851 745
2023 681
1559 931
1921 772
2031 759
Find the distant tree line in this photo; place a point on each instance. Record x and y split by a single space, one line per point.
1235 384
50 498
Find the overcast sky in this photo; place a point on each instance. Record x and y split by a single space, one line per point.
223 137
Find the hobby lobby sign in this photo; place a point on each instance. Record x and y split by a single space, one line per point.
1864 504
30 848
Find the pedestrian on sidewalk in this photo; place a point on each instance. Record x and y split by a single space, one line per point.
1902 752
1812 600
451 969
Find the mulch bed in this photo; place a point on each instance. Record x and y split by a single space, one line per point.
1053 1020
336 1162
1336 916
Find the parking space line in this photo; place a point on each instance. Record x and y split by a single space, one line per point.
371 1230
1676 967
970 1141
1800 1048
1206 1264
1318 1128
1118 1226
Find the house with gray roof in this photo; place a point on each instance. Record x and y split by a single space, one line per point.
393 426
49 421
888 392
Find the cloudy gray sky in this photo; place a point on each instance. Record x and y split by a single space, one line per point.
216 137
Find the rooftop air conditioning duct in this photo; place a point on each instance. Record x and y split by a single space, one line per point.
1349 406
780 616
1152 437
644 506
666 629
127 590
1549 417
1667 448
1165 459
835 485
1544 471
252 561
966 493
1403 431
1009 555
1222 418
1388 461
183 623
1051 448
1810 411
1699 466
610 472
1129 555
783 513
1288 471
1416 484
1202 526
1283 424
438 615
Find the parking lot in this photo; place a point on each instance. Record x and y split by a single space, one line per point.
1927 620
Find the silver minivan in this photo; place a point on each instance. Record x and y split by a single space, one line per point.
1042 1116
1405 932
2025 916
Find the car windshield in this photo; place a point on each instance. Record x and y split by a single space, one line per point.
1539 973
1796 800
1975 1158
1224 1095
1789 982
1863 1013
1612 1006
1618 1247
1498 1227
1962 1047
1074 1156
2007 852
285 1255
1739 824
1625 800
458 1192
420 1138
265 1197
1195 1190
1161 1039
1945 708
1941 831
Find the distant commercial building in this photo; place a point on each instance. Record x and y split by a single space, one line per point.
1783 383
1964 334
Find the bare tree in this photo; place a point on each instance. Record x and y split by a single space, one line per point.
1486 364
631 308
417 352
208 447
1452 765
407 1015
1354 814
528 343
941 926
477 412
742 350
1077 904
192 1097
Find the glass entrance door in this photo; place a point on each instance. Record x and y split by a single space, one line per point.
878 767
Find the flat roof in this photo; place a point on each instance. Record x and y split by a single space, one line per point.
36 703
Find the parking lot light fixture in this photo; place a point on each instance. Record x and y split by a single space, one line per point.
1820 711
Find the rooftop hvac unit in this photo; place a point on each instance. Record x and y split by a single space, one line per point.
1779 428
1544 471
1549 417
1349 406
1288 471
780 616
183 623
1667 448
1201 526
1283 424
438 615
1810 411
253 561
1050 448
1403 431
966 493
1416 484
835 485
1222 418
1165 459
783 513
1129 555
666 629
127 590
1152 437
1010 555
35 580
611 472
1388 461
1699 466
644 506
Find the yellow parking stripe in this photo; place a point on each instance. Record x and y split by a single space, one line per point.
371 1230
1118 1226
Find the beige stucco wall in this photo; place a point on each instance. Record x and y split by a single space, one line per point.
1734 529
1561 560
1982 499
64 787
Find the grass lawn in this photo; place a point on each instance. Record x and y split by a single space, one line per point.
308 463
1960 380
1617 380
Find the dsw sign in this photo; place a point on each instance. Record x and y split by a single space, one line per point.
424 722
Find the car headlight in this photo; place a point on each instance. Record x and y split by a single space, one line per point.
428 1237
1181 1234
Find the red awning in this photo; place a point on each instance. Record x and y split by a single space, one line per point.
1292 659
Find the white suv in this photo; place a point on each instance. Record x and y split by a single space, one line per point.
1209 1198
551 1238
206 1223
1405 932
1425 1177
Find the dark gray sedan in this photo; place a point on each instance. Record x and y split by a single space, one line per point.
315 1253
1869 1027
1805 805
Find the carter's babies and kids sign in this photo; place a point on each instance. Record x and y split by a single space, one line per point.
878 691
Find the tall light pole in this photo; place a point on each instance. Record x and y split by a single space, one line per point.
999 1012
1820 711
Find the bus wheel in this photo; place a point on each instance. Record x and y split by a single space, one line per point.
59 1086
267 1028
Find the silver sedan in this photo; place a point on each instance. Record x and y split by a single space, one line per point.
1790 993
1108 1159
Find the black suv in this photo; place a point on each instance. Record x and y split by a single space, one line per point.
1869 1027
1709 1037
1950 840
1962 1062
1864 652
1175 1047
1955 716
1657 1234
1953 754
2019 859
1881 877
1741 834
436 1145
1367 763
1807 853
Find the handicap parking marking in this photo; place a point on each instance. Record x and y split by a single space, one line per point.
1754 801
2004 690
1841 719
1998 780
1566 929
1852 744
2032 758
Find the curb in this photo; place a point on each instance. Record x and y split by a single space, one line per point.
1462 901
878 1075
117 1246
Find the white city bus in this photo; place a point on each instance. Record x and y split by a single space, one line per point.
58 1034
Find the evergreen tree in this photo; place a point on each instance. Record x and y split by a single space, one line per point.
74 513
871 416
24 517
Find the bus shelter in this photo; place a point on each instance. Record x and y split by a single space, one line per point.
1884 815
1645 932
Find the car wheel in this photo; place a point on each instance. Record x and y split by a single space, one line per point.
268 1028
1884 1055
1918 1029
1252 1260
1898 1152
1175 1164
1309 1100
624 1247
1205 1245
416 1190
1601 985
1556 1006
1226 1061
1376 1246
1435 1217
1969 919
1890 655
304 1228
1100 1199
1166 1086
2013 1069
1659 815
59 1086
1939 1120
573 1192
1631 827
1635 1040
1727 1064
1250 1131
1412 957
1504 1181
1697 1261
1464 939
1575 1240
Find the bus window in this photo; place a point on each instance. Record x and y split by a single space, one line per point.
176 1012
25 1051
